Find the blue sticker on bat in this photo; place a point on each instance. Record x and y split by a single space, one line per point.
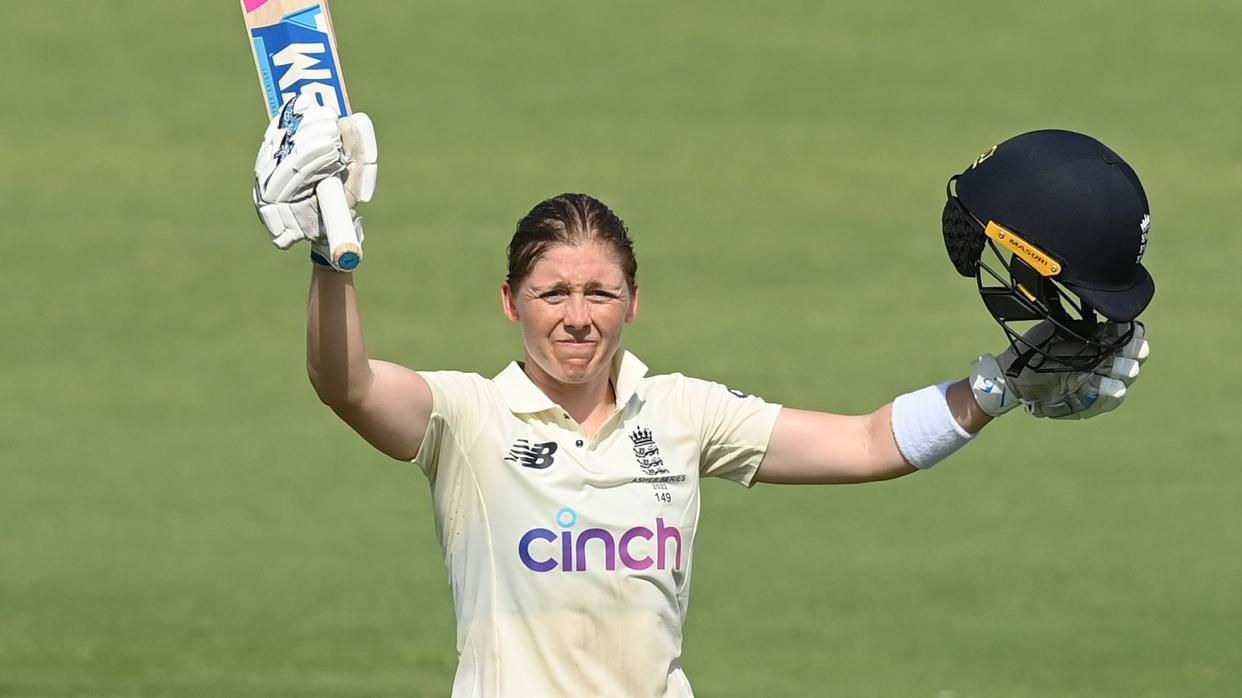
296 58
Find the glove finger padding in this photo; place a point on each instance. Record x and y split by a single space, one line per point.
1107 386
314 156
1124 370
1099 395
289 223
361 157
1138 348
281 221
301 147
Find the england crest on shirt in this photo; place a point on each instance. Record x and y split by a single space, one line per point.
646 452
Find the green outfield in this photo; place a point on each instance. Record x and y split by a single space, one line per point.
179 516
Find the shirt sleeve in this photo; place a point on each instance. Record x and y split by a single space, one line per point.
734 431
459 411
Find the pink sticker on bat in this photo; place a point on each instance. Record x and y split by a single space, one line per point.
252 5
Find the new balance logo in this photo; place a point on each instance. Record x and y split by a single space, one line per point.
528 455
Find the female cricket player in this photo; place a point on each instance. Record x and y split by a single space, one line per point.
566 488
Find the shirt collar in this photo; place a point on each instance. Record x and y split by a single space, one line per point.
524 397
627 371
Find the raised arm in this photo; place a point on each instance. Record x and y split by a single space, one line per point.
305 143
822 448
387 404
918 429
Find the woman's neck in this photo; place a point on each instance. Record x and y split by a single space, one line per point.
588 403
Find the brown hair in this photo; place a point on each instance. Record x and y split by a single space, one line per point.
569 219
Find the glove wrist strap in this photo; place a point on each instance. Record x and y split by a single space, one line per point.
320 261
988 385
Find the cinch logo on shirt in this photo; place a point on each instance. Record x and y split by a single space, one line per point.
539 551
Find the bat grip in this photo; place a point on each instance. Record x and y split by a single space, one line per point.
343 244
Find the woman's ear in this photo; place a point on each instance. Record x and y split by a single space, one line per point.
633 311
508 301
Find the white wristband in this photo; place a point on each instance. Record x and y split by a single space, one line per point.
925 429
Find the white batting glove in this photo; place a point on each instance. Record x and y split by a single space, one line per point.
1105 387
996 392
305 143
1060 395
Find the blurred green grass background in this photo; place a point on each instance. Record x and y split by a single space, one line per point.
180 517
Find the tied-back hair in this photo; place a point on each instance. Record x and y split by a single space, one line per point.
569 219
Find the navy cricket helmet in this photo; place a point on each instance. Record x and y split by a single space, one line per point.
1068 221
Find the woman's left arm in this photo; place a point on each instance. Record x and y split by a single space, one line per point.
822 448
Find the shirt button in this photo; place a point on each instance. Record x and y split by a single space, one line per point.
578 443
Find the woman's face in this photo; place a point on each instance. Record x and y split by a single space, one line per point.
572 308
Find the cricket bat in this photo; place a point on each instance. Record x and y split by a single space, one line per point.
295 54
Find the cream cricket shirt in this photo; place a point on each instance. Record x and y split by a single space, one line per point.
570 558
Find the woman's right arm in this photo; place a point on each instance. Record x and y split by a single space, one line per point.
387 404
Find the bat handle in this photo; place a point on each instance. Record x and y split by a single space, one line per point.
343 242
